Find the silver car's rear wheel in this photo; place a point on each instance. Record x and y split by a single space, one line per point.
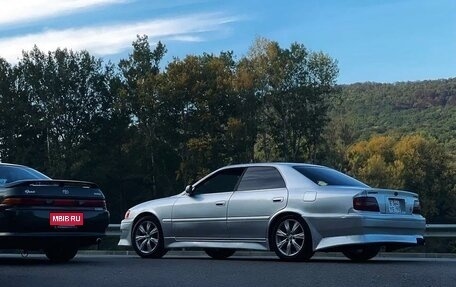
291 239
147 238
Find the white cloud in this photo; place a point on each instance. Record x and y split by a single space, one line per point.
17 11
113 39
186 38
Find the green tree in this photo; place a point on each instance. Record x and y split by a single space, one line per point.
206 112
140 73
294 87
22 140
68 93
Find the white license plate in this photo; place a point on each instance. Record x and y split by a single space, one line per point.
395 206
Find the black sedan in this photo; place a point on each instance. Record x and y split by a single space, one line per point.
40 213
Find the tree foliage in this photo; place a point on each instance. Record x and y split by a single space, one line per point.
293 86
412 162
143 129
55 108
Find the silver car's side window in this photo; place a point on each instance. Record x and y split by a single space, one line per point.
222 181
256 178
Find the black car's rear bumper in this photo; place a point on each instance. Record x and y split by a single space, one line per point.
42 240
30 228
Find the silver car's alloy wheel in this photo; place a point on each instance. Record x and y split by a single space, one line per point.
290 237
146 236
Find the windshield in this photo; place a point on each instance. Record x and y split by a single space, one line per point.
14 173
326 176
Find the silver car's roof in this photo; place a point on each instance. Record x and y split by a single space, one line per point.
276 164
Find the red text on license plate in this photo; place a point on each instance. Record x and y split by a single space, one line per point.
66 218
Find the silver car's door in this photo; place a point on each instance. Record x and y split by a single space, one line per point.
260 194
202 214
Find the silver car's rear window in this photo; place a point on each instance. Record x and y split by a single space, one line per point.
325 176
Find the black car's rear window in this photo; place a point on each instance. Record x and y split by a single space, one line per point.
326 176
14 173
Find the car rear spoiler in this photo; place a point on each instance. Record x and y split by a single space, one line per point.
52 182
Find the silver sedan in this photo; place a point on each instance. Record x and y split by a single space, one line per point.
291 208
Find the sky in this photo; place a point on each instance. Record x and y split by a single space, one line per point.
372 40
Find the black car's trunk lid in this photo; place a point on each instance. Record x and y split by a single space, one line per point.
64 193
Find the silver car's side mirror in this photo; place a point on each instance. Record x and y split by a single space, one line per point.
189 189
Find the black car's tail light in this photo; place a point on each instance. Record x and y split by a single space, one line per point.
365 203
93 203
416 207
20 201
25 201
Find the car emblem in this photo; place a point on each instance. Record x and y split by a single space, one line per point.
65 191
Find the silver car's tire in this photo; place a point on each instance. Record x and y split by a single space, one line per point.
219 253
291 239
147 238
361 253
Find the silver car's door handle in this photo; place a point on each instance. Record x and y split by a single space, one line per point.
277 199
220 203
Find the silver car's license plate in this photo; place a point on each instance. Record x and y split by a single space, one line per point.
395 206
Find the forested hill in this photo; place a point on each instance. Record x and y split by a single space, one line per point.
408 107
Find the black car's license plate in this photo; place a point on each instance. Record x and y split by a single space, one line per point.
66 218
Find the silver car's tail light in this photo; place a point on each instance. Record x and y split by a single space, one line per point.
365 203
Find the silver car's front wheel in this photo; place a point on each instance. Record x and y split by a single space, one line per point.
147 238
291 239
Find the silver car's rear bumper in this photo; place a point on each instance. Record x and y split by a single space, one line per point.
362 228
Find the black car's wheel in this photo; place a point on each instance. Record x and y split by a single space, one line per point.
147 238
219 253
291 239
361 253
60 253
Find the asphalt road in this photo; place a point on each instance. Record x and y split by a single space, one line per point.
123 270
